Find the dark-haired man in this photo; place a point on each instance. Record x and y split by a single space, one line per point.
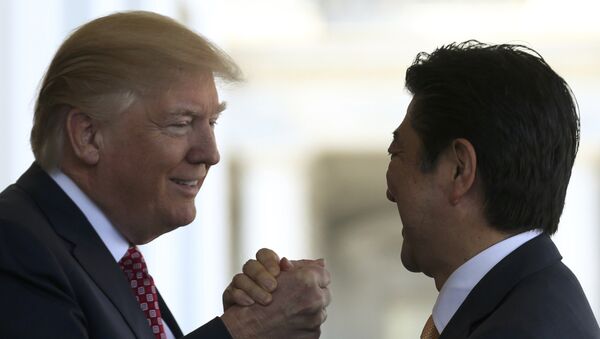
479 170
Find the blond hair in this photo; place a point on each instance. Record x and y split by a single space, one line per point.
109 63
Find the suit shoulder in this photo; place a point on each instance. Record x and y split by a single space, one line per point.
549 303
27 241
17 208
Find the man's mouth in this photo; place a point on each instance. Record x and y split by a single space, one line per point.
190 183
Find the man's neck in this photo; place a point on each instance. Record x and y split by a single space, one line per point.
471 244
462 281
110 236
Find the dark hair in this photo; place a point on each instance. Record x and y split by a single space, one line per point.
520 116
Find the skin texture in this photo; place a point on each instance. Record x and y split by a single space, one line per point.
421 201
415 195
258 280
132 166
442 209
297 309
297 295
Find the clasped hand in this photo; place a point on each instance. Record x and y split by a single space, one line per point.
277 299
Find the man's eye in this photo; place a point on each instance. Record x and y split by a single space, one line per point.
213 123
179 128
181 124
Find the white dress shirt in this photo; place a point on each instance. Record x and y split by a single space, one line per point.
113 240
463 280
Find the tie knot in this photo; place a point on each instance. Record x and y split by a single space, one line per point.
133 264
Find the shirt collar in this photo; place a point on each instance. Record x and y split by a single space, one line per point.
110 236
463 280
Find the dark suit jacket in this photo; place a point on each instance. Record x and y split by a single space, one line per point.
529 294
58 279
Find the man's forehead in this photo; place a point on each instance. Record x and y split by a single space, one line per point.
188 96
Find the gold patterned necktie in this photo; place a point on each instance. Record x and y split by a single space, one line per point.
429 331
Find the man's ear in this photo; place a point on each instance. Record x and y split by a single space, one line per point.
84 136
465 167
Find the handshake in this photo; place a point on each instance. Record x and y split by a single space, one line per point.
274 299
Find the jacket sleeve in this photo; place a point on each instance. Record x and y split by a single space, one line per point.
214 329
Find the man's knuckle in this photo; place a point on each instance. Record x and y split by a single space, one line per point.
262 251
238 279
249 266
237 294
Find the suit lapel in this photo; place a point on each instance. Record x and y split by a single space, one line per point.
168 317
88 249
532 256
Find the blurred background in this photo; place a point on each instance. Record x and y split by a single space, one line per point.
304 139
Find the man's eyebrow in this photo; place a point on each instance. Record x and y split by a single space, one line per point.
193 112
221 107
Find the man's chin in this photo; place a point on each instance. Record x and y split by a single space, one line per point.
181 217
411 267
167 225
143 239
409 262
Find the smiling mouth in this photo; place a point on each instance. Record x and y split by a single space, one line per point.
189 183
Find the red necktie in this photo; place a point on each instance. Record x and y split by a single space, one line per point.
142 285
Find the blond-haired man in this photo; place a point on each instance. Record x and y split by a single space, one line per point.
123 138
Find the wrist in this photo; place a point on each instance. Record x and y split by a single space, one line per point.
241 322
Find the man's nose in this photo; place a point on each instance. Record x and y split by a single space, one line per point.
203 148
